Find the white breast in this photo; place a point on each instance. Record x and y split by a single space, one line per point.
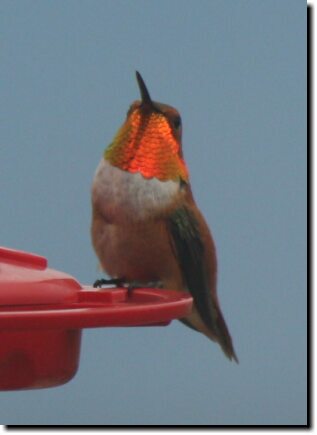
124 195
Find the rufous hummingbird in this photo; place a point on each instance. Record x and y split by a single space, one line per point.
146 226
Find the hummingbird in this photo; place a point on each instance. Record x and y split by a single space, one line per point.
146 226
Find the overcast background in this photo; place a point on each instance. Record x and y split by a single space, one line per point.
236 70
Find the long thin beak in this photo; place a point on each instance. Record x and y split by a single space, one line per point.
145 96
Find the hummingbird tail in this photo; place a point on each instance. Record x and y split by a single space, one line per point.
219 333
224 338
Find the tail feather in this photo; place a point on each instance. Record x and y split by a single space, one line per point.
194 251
224 338
220 335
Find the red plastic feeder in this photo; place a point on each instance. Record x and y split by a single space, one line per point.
42 313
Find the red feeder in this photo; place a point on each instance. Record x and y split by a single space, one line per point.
42 312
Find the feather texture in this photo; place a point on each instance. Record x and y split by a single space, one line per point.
192 257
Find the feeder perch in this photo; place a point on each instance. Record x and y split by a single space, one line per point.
43 311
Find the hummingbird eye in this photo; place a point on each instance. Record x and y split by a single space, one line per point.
177 122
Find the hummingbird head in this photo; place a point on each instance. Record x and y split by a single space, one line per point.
150 140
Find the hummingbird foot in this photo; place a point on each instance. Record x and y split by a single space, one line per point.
141 284
130 285
112 281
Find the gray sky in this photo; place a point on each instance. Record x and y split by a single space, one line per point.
236 70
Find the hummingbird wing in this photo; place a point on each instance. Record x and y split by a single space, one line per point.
193 248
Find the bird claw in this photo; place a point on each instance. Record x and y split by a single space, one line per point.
144 284
112 281
141 284
131 285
